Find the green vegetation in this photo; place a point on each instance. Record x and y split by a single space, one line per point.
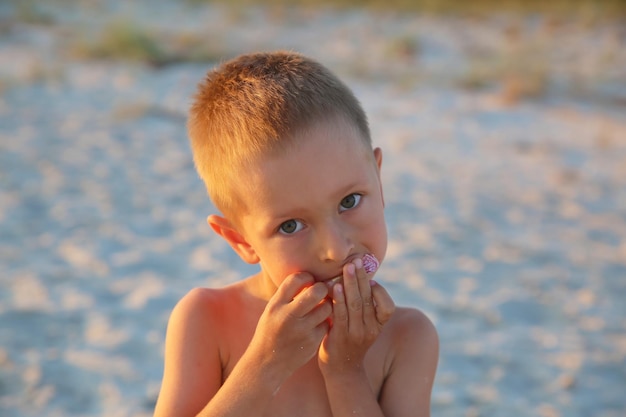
521 71
29 11
589 10
127 41
520 59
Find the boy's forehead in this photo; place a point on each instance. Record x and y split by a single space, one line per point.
331 133
325 162
322 158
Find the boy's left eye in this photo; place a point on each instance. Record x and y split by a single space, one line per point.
290 227
349 202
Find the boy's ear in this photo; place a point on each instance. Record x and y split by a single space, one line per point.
378 155
223 227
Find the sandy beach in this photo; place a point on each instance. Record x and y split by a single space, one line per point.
504 143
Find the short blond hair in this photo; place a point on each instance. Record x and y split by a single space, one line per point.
253 105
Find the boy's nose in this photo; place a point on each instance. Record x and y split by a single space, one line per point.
335 242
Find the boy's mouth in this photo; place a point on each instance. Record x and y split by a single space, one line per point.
370 264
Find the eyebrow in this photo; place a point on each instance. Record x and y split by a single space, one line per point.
342 192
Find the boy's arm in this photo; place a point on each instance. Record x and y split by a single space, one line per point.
408 387
191 357
360 311
192 381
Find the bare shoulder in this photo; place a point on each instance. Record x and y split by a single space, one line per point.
204 304
407 324
413 339
197 303
194 311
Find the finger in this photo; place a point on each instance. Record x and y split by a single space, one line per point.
287 291
309 298
340 310
352 294
320 313
369 313
385 306
321 330
293 285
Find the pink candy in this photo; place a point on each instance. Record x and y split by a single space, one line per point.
370 263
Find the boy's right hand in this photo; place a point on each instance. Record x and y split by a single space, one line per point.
294 322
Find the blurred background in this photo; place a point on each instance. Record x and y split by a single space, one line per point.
503 125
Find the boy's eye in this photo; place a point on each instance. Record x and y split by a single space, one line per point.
349 202
290 227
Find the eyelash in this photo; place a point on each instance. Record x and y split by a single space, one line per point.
357 198
299 225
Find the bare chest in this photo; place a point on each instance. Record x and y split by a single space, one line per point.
303 395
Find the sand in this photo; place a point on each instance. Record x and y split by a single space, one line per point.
504 170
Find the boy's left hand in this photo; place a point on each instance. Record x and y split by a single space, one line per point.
360 309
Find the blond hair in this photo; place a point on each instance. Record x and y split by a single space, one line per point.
254 105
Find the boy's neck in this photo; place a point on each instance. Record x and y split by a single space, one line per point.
260 286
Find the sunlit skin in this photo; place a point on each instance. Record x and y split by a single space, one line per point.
287 341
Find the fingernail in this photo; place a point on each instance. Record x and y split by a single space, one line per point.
358 263
370 263
373 283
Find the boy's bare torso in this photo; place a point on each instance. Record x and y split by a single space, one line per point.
236 313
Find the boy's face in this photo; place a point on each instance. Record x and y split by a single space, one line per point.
314 207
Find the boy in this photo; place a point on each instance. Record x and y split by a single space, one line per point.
285 152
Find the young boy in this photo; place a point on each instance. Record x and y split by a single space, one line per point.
284 149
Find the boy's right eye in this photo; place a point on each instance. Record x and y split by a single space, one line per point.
290 227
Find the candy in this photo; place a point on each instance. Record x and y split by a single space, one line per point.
370 263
